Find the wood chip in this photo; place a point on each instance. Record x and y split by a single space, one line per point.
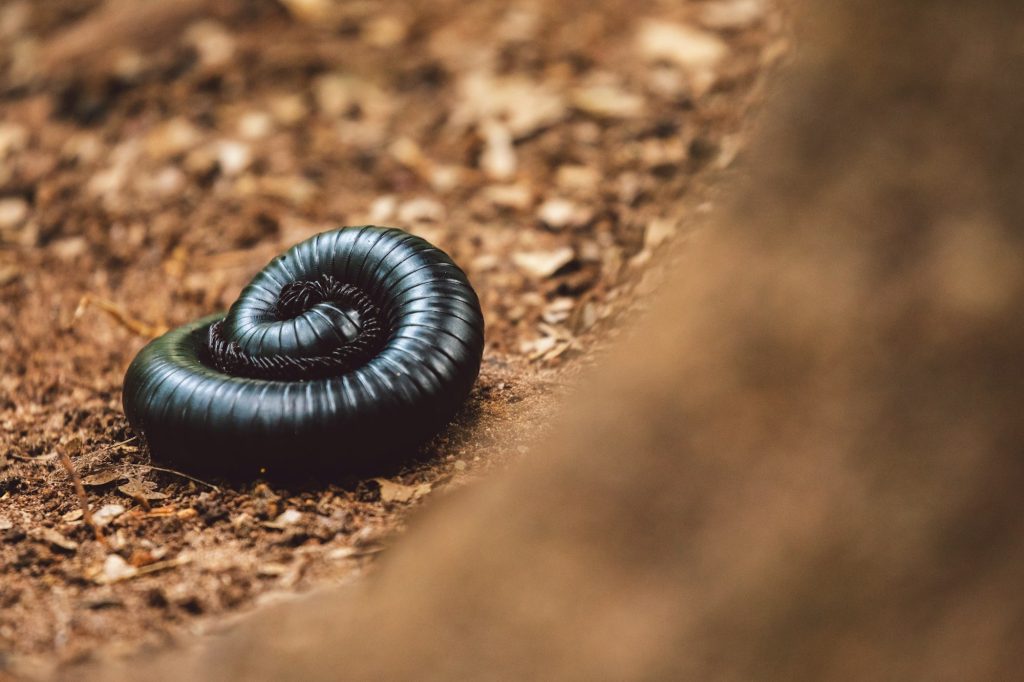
732 14
658 232
107 513
608 101
498 160
543 263
685 46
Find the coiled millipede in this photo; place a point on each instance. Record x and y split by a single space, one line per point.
344 352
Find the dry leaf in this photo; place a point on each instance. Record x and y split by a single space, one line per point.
141 490
54 538
102 478
391 491
684 45
523 105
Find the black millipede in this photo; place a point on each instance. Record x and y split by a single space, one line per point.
343 353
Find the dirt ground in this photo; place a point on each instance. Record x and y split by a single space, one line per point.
152 161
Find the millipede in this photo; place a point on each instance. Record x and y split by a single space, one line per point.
345 352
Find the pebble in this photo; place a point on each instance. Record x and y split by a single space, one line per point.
115 568
213 43
383 209
289 517
13 211
107 513
69 248
255 125
556 213
560 213
233 157
445 177
517 197
171 138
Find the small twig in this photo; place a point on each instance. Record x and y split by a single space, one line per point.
162 565
34 460
116 24
83 500
112 446
152 568
119 314
45 459
178 473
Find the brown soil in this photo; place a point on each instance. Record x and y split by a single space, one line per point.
145 175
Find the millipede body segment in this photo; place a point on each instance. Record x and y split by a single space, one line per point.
344 352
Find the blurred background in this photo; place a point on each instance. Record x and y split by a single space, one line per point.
154 154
